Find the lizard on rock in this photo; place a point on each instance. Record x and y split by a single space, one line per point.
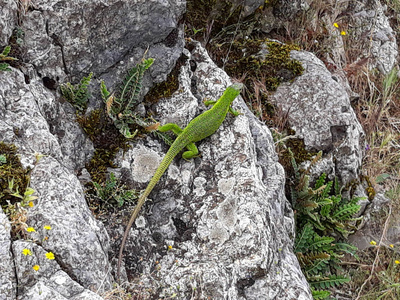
199 128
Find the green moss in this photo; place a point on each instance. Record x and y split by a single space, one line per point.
169 86
11 170
272 69
299 151
101 160
300 155
107 141
369 189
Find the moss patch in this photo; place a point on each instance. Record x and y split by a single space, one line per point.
169 86
299 151
107 141
268 70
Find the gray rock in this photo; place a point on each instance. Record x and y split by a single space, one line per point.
319 110
74 38
44 125
372 225
288 9
7 276
20 119
369 20
224 214
79 242
277 15
249 6
62 205
8 20
49 281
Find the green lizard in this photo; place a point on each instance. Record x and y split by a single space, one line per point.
199 128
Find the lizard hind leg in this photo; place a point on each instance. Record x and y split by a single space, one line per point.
171 126
234 112
192 151
209 102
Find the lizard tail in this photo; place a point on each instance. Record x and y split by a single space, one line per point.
172 152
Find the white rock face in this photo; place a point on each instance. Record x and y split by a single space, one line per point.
8 19
7 275
78 241
49 281
225 212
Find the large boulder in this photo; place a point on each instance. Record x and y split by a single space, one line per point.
218 226
319 110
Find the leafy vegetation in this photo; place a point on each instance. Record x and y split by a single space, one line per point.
78 94
112 193
120 106
15 193
4 66
110 131
323 220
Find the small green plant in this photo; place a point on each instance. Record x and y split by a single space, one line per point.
15 194
323 220
77 94
4 66
113 194
26 197
120 105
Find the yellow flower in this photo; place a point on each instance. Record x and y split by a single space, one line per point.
169 247
36 267
397 262
50 255
47 227
26 252
31 229
391 246
336 25
343 32
373 243
30 204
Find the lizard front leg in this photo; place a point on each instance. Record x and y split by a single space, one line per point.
171 126
231 110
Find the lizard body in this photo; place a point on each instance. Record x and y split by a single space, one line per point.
199 128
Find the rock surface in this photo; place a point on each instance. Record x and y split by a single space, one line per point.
224 214
319 110
63 39
72 38
78 241
7 276
49 281
377 37
8 20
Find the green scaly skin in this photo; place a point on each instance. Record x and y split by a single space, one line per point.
198 129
